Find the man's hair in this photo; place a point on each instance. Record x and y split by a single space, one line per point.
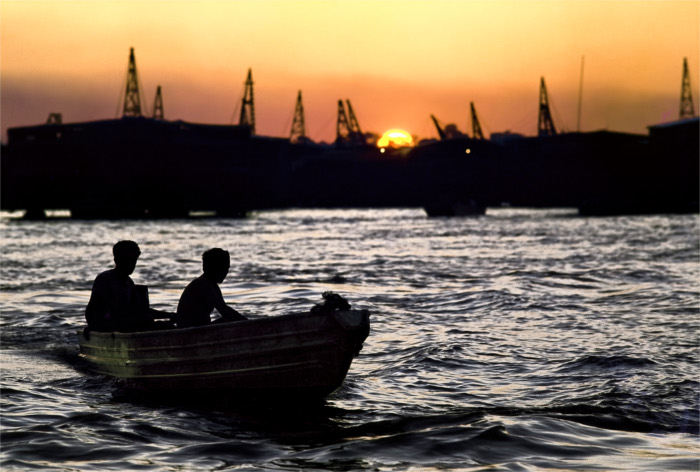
215 258
125 248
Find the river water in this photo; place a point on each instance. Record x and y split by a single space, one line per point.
523 340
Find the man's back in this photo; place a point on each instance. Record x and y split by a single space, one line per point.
203 294
114 304
197 302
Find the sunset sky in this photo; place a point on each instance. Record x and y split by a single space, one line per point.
397 61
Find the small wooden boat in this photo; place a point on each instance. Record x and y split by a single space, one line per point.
305 354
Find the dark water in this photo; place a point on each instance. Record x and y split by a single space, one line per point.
520 341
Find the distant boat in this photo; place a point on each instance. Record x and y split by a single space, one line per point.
304 354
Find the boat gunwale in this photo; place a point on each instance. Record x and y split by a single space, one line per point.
263 320
132 347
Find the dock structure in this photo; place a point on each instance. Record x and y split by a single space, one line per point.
138 166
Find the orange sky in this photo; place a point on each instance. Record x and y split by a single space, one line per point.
398 61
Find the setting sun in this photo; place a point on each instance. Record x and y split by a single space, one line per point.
395 138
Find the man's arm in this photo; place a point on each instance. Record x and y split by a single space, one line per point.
141 304
226 312
230 314
160 315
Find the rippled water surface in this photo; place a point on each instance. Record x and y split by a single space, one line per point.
522 340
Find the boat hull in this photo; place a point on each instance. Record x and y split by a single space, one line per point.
304 353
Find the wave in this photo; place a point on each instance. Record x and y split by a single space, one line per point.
601 362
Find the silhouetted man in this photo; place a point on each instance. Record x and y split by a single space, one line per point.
203 294
115 303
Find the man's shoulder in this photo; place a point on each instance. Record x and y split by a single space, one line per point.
110 277
105 276
203 284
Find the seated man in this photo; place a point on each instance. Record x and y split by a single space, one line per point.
115 303
203 294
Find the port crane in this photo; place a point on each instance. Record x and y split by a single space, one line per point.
441 132
476 127
449 131
158 113
247 117
545 124
687 107
354 124
132 98
347 129
298 132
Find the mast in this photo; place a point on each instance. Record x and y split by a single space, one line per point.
580 98
248 108
545 125
158 113
298 126
687 107
476 127
132 99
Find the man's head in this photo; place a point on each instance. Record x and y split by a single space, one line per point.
126 253
216 263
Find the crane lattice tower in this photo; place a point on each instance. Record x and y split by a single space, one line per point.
476 127
132 99
441 132
342 127
158 113
248 109
356 135
545 124
687 107
298 126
